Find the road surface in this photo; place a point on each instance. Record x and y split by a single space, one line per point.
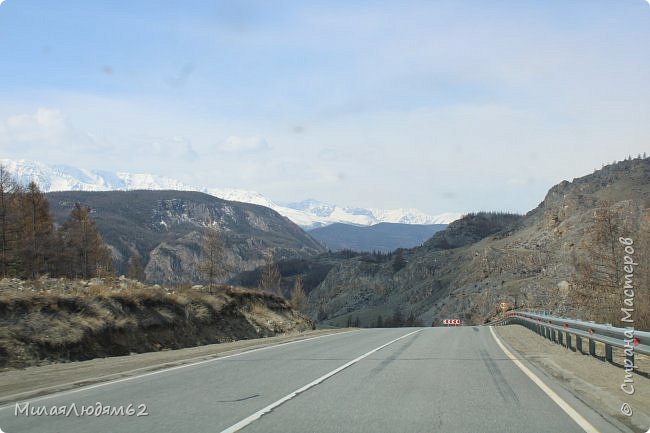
372 380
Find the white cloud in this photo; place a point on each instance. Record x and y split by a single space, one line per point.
237 144
45 130
175 148
45 125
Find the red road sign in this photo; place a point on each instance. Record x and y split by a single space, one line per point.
451 322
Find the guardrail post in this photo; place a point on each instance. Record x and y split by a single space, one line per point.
579 343
609 355
592 347
560 337
568 341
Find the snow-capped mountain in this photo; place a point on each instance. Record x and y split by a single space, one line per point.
307 214
323 214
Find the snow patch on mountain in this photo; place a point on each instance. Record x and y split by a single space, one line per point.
307 214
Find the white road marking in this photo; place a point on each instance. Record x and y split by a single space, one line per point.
257 415
573 414
162 370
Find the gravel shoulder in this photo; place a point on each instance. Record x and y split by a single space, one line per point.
593 381
17 385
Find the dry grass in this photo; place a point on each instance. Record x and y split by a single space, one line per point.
68 320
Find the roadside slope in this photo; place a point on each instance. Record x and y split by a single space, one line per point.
58 321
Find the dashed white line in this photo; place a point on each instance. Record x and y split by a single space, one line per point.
163 370
257 415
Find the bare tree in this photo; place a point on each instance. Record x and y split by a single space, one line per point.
270 279
598 276
35 243
298 297
213 263
8 190
85 249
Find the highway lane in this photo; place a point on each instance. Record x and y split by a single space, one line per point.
436 379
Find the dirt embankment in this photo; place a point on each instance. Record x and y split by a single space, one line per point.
50 320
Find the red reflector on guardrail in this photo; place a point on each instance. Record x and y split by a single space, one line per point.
566 326
635 341
591 331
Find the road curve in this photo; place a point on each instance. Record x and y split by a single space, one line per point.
375 380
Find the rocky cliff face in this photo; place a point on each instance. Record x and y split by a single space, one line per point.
166 228
562 256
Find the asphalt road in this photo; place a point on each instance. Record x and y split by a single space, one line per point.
421 380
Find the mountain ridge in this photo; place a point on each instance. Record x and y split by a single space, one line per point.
382 237
166 228
562 256
307 213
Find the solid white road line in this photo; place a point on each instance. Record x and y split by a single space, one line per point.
163 370
573 414
257 415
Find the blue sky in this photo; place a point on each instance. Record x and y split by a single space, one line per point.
439 105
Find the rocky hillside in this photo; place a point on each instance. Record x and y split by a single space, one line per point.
50 320
166 229
562 256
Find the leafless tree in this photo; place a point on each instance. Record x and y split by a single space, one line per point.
83 244
8 190
298 297
270 278
598 273
213 263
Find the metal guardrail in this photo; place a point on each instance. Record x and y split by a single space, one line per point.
562 331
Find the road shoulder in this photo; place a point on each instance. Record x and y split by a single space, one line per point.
592 381
23 384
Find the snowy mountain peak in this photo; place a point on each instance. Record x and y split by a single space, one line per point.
308 213
313 207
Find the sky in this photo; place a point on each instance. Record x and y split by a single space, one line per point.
459 105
